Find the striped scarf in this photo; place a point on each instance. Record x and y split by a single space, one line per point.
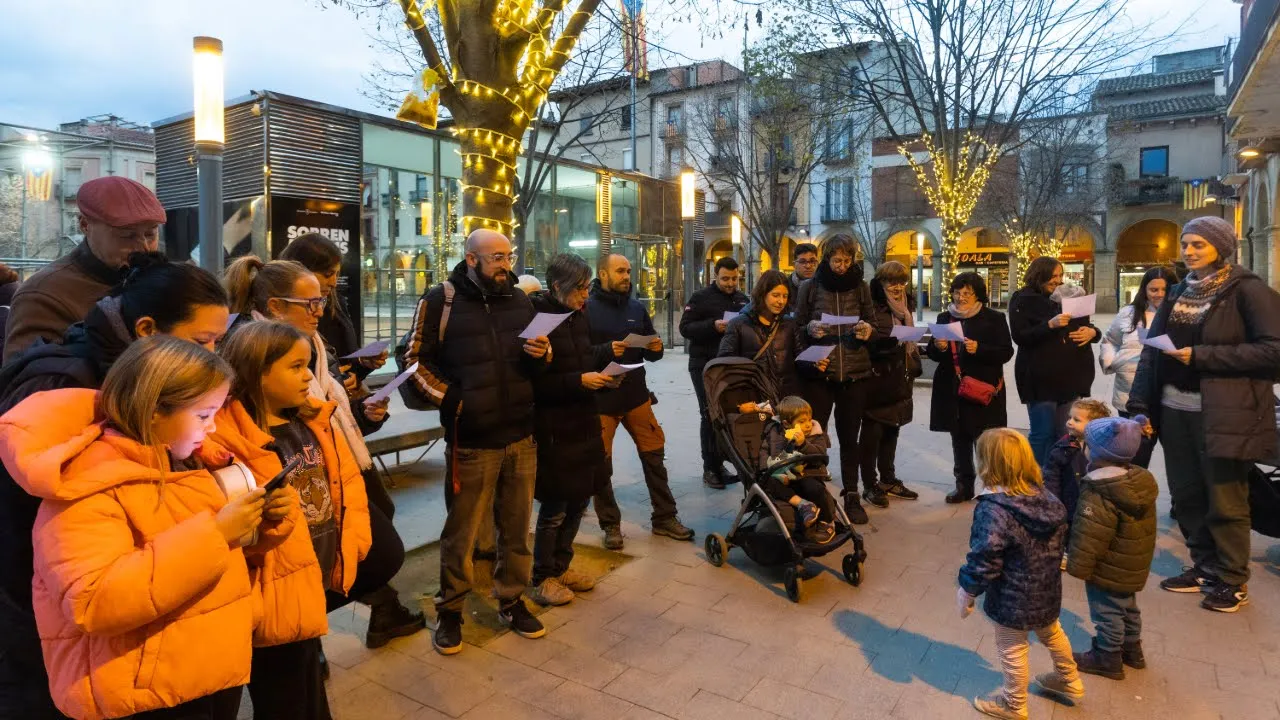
1192 305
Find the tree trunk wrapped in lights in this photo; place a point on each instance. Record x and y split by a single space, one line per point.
501 72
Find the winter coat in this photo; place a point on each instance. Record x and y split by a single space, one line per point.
1049 367
570 446
851 359
1119 353
1237 361
139 601
775 444
480 376
1113 538
1063 470
340 334
947 412
746 335
613 316
1015 551
891 398
289 579
236 429
794 282
698 322
55 298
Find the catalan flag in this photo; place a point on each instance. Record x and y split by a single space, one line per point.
39 185
1194 193
634 46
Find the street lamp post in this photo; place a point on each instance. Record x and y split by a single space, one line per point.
687 211
210 137
919 277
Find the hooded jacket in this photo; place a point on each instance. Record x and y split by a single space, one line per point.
1015 550
1119 353
139 600
844 295
1113 538
1049 366
613 316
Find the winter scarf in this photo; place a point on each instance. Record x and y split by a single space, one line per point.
957 314
902 316
1194 302
832 282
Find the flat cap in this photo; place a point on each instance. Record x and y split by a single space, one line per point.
119 202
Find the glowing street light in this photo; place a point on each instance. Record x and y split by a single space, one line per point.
735 229
687 198
210 135
207 76
688 209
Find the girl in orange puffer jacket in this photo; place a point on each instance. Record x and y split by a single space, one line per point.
141 590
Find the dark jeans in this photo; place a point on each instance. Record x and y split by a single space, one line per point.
386 555
1115 616
877 449
1210 498
479 479
553 536
644 429
24 685
962 447
809 487
849 399
286 683
712 460
222 705
1048 423
1146 448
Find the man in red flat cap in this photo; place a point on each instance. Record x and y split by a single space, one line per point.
118 216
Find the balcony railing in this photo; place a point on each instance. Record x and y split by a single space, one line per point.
838 212
717 218
1253 36
674 132
1151 191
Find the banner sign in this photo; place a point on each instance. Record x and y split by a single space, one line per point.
293 217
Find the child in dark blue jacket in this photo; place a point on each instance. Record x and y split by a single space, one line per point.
1015 547
1066 464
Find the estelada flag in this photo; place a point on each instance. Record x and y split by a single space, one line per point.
634 46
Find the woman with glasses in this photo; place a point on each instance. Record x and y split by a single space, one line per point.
287 292
982 355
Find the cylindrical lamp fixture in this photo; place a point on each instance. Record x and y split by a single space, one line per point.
920 244
210 135
735 229
687 197
207 74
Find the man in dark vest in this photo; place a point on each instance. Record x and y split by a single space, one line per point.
480 376
612 315
702 326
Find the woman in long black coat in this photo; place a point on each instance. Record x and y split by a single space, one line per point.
983 354
571 457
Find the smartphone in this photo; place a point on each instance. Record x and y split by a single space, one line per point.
278 481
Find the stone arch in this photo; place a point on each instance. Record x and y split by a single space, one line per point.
1254 254
1139 246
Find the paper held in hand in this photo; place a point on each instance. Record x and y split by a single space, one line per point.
1160 342
952 332
543 324
614 369
1078 307
907 333
373 349
638 341
385 391
729 315
815 353
834 320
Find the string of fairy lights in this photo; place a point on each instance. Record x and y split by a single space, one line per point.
1027 245
953 188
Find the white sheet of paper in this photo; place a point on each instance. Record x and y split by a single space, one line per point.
814 353
614 369
953 332
373 349
1079 307
729 315
385 391
907 333
638 341
834 320
231 319
1160 342
543 324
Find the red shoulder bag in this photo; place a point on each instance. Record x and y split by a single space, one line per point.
971 388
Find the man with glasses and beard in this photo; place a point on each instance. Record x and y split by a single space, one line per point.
480 375
805 259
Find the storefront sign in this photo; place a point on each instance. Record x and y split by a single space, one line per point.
1077 255
339 222
983 259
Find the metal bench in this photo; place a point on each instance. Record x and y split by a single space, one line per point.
425 438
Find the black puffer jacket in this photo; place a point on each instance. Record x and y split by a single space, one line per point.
570 447
613 316
698 322
1113 537
480 375
843 295
746 335
1049 367
1237 361
948 413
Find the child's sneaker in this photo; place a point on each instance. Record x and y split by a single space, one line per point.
1054 686
821 532
1191 580
1131 655
1226 598
808 513
1100 662
997 707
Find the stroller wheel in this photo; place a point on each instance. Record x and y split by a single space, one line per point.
717 549
794 585
852 570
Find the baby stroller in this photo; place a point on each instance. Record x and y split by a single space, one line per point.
763 528
1264 492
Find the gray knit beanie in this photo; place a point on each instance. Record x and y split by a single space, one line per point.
1220 234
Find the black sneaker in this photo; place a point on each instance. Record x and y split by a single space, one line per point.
728 478
1226 598
853 508
447 639
1191 580
712 479
672 528
897 490
522 621
876 496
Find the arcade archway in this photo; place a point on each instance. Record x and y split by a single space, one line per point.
1139 247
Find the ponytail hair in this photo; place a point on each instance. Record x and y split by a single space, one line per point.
251 283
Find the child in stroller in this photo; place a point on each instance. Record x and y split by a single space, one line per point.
790 433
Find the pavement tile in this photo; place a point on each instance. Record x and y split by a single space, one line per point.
579 702
373 702
665 694
507 708
485 668
584 667
691 594
709 706
633 624
643 653
448 693
791 702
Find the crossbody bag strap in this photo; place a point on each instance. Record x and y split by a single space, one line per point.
955 359
767 342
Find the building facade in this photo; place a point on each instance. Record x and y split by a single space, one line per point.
1254 113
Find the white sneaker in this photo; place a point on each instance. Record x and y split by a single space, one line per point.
997 707
551 592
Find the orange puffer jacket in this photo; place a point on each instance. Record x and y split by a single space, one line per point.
288 577
236 429
139 601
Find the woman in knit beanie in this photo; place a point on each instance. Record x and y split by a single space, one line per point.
1212 401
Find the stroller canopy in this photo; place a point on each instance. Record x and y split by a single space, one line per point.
731 381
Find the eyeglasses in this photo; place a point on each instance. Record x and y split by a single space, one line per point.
811 261
313 305
499 258
896 283
963 295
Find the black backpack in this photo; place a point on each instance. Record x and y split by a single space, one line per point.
409 394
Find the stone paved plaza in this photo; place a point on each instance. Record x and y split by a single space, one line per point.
669 636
